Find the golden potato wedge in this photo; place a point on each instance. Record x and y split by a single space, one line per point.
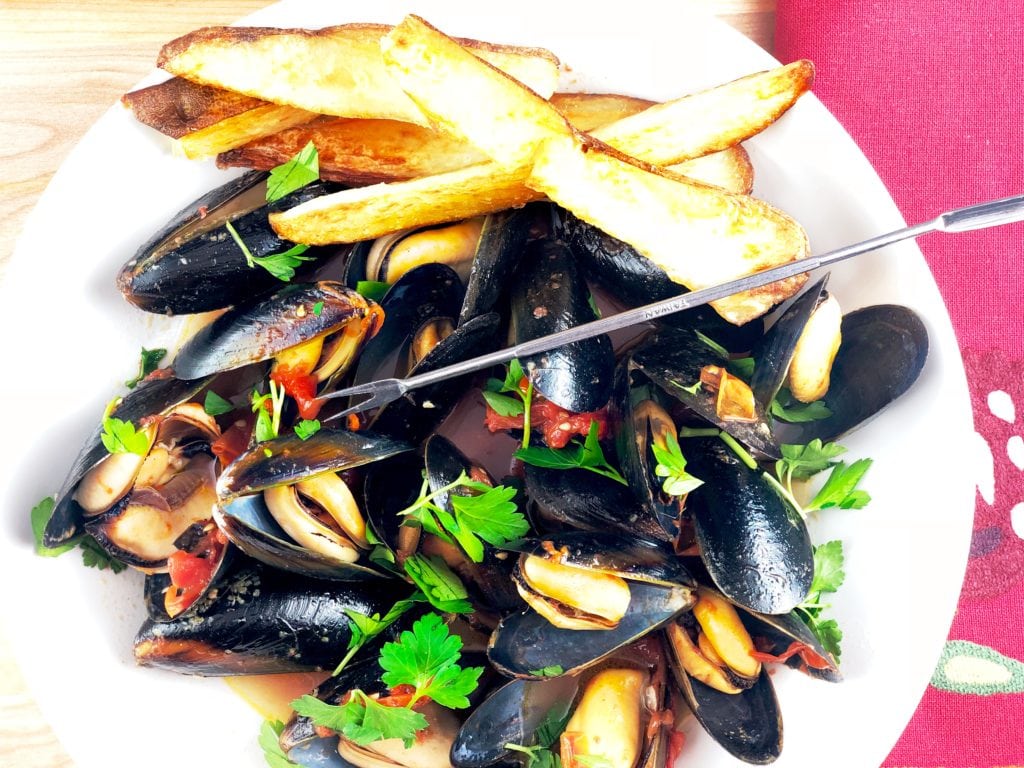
364 213
494 112
700 235
368 212
693 126
357 151
371 151
333 71
729 169
177 106
241 129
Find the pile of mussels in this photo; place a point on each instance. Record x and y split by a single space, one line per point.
622 595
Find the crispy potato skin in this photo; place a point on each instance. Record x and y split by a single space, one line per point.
335 71
177 106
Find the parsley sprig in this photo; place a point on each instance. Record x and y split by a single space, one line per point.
672 466
280 265
425 658
490 515
828 577
519 405
294 174
365 628
93 555
541 754
800 462
576 455
120 436
787 408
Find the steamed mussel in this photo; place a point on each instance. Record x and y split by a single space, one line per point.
645 559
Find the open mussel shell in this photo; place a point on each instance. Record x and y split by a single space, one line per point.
292 459
883 352
247 334
511 715
774 351
424 293
249 525
629 557
753 543
147 399
502 239
673 359
777 634
585 501
634 280
526 645
263 621
194 265
633 407
156 585
550 295
747 724
418 413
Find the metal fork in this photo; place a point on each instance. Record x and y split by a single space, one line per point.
981 216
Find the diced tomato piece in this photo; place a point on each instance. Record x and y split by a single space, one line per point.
558 425
302 388
191 572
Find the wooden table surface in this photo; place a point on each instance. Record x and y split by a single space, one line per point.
62 64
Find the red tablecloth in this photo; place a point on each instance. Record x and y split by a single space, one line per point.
933 92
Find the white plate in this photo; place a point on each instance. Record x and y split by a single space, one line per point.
70 340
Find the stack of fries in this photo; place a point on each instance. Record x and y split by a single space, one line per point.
444 129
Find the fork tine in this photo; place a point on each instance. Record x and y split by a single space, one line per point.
379 393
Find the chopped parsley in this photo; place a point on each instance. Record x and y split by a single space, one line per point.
306 428
672 466
519 405
280 265
149 359
215 405
268 421
93 556
372 290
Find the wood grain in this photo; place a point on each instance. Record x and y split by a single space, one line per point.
62 64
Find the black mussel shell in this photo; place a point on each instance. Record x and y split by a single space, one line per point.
147 399
501 241
780 632
747 724
526 645
156 584
194 265
263 621
421 294
292 459
629 557
511 715
636 460
774 351
390 486
883 351
585 501
295 314
634 280
248 524
419 412
753 543
550 295
673 359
